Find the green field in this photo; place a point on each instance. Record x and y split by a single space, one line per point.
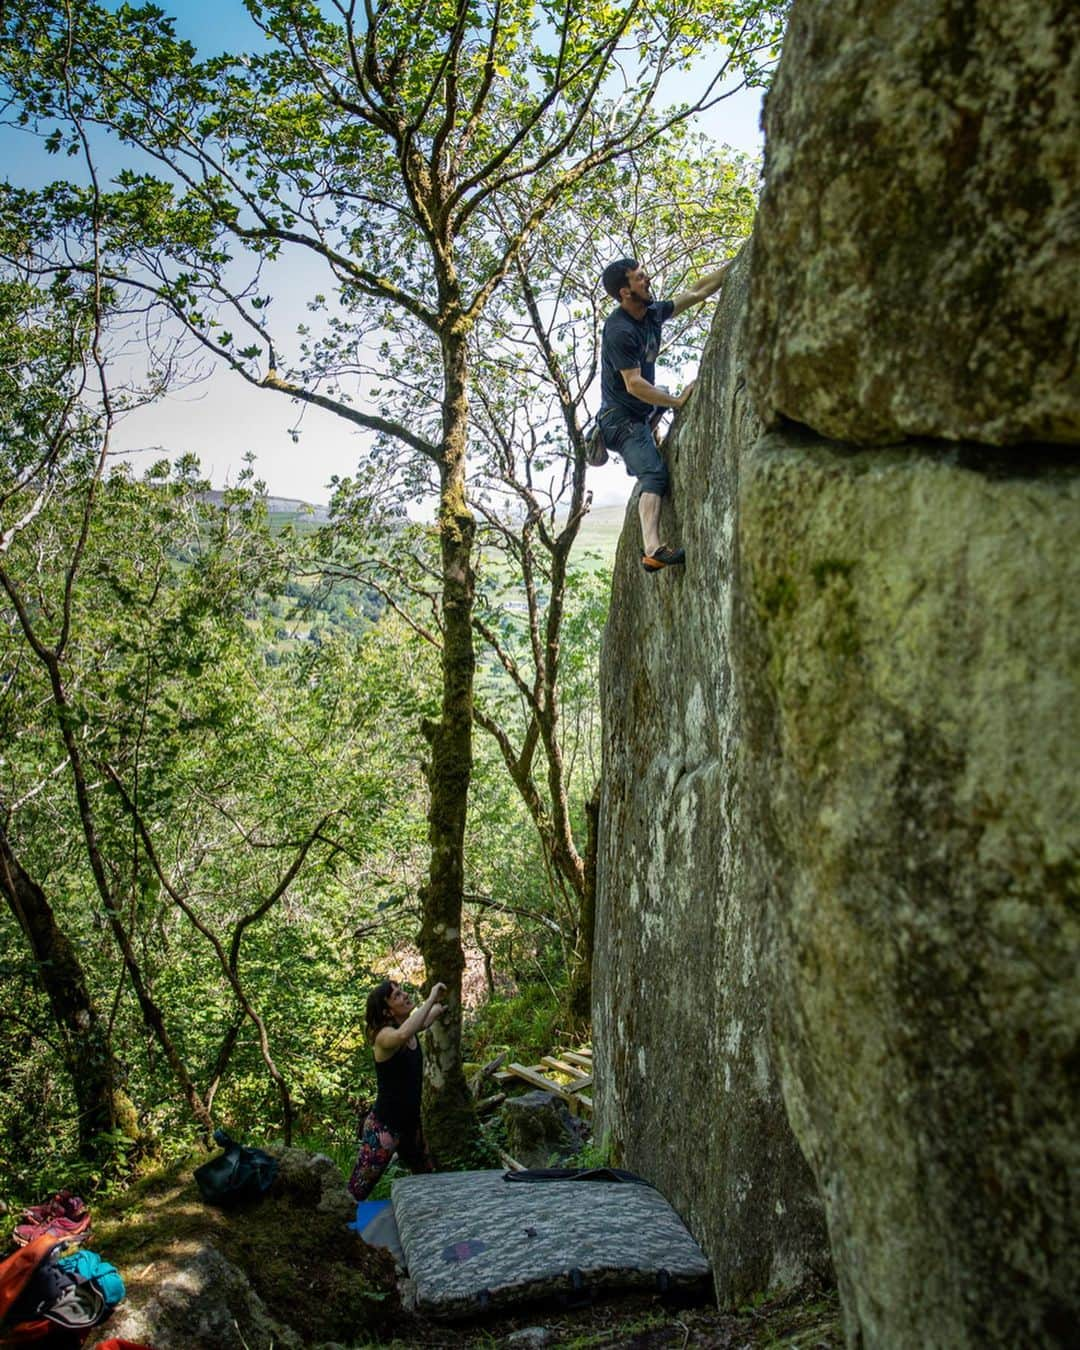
600 531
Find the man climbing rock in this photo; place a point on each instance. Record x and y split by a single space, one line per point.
629 398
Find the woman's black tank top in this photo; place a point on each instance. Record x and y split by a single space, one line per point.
401 1084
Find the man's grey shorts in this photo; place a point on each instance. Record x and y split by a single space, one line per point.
634 442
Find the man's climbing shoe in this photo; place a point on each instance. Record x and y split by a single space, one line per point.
663 557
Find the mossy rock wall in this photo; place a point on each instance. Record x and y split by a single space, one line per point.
909 662
918 259
687 1085
839 855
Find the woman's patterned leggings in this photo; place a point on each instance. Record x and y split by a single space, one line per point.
378 1144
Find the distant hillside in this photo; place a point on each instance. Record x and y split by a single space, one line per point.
307 611
292 506
600 532
287 508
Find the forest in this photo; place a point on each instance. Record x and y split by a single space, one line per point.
253 764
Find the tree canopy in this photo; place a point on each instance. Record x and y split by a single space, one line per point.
453 169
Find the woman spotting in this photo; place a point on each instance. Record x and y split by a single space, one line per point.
393 1123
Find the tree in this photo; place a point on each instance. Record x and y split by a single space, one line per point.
52 427
187 803
102 624
84 1038
414 151
534 357
690 204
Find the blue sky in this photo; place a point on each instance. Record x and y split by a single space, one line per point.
221 418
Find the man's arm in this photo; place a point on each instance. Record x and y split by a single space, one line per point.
701 290
639 387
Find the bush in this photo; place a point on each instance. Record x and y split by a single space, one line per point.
528 1024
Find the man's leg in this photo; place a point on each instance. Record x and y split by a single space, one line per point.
642 459
649 511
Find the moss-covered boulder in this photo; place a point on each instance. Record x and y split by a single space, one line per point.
284 1271
687 1088
917 267
839 868
910 667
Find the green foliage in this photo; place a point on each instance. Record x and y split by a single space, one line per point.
594 1153
386 1181
526 1022
228 761
419 174
221 766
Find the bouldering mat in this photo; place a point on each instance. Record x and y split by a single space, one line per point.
375 1223
366 1210
473 1241
381 1231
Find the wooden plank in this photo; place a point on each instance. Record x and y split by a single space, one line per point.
494 1064
580 1083
583 1061
572 1069
490 1103
476 1082
578 1103
537 1079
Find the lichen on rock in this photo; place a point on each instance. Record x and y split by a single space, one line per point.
839 856
284 1271
686 1080
917 265
914 714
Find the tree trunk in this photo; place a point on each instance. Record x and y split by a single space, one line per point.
579 998
87 1053
449 1117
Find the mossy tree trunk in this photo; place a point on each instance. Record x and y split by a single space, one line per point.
579 996
88 1055
450 1121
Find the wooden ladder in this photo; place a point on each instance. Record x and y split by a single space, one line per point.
573 1065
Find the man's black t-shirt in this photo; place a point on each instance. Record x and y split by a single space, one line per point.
628 342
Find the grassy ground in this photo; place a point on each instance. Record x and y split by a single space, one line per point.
311 1272
322 1282
803 1319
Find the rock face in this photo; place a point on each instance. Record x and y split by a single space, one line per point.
540 1131
909 656
839 854
918 244
282 1272
203 1300
686 1080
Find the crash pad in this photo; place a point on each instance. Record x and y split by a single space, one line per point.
473 1240
366 1210
375 1223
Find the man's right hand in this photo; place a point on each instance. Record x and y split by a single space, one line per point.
437 991
686 393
